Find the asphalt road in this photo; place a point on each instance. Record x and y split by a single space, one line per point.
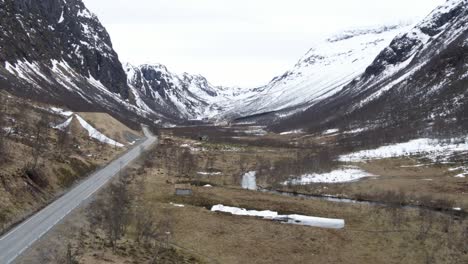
24 235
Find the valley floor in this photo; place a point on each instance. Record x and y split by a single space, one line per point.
183 229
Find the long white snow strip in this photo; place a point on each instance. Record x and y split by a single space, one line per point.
290 219
208 173
331 131
177 205
299 131
61 19
93 133
60 111
348 174
355 131
8 130
64 124
458 168
249 180
193 149
429 148
255 132
244 212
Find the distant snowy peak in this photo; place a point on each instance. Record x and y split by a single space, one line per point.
161 79
184 96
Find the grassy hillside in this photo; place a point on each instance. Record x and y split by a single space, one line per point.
38 162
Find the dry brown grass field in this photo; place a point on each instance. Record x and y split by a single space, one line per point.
194 234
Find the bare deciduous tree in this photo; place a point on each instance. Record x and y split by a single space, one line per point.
209 163
112 214
145 226
70 257
63 141
427 223
186 164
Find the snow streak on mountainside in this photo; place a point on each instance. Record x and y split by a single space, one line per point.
323 71
419 78
182 96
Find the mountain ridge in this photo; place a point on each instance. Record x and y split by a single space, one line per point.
419 78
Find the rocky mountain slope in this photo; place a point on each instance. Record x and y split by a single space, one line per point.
419 79
180 96
57 51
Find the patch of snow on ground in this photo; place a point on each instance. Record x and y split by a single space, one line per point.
458 168
249 181
299 131
177 205
192 148
64 124
94 133
8 130
416 166
256 132
330 131
355 131
430 148
230 149
290 219
208 186
462 169
208 173
347 174
61 112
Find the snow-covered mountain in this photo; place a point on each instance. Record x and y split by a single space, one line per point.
182 96
57 51
420 78
322 72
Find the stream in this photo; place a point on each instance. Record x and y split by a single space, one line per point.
249 182
336 199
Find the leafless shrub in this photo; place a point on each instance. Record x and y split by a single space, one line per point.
70 257
145 226
427 223
395 200
186 164
57 254
209 162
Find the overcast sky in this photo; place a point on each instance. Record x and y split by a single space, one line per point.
238 42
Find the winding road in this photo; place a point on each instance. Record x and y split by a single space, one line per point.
24 235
